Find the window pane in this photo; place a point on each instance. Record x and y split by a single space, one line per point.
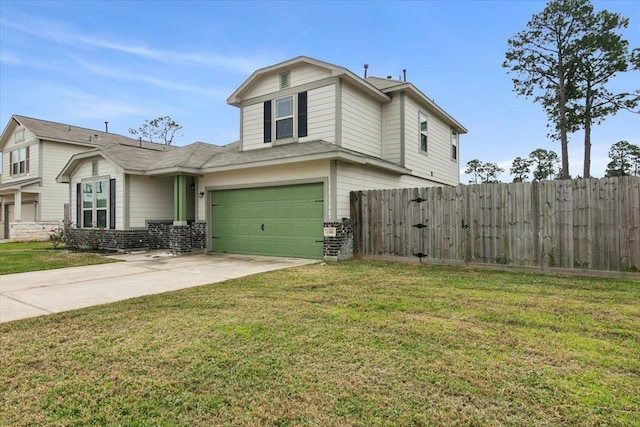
423 122
423 142
87 195
284 128
102 218
101 194
87 218
284 107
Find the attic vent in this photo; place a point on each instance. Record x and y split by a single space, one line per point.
284 80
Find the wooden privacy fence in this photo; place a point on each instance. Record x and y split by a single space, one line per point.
584 223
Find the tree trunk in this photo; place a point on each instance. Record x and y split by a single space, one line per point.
586 173
562 113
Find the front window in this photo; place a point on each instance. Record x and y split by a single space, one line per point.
284 117
423 132
19 161
454 145
94 204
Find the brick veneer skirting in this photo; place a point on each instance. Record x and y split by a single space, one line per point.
157 235
341 246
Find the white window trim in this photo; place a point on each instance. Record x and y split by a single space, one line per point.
454 143
94 203
16 154
294 116
421 132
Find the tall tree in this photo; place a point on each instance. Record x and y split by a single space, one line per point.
490 172
543 58
475 169
163 128
625 159
520 169
604 53
545 164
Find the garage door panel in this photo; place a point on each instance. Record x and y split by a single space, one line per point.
280 221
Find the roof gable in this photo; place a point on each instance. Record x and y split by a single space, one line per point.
335 71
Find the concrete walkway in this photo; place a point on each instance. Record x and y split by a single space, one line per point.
38 293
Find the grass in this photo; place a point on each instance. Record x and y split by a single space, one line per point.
354 343
20 257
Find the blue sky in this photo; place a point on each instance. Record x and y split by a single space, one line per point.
85 63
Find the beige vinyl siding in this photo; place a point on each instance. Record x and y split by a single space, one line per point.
436 164
321 114
392 130
54 195
269 175
307 74
355 177
361 122
150 198
299 75
253 127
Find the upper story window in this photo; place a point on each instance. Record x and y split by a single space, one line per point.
19 160
284 80
423 132
19 135
454 145
285 118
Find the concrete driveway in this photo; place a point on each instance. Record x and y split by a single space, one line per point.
38 293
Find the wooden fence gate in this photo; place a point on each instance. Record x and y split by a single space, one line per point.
584 223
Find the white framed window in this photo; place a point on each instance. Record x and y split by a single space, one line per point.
284 117
19 135
454 145
424 132
19 160
95 196
284 80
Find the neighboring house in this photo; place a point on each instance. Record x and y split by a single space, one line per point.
310 133
33 153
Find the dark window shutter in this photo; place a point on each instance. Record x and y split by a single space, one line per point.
78 205
11 172
267 121
27 160
112 204
302 114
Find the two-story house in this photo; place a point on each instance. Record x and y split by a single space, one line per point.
33 153
310 133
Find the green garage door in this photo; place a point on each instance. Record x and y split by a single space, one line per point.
278 221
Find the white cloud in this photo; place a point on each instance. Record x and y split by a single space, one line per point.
58 32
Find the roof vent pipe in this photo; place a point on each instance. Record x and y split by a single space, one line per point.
366 67
106 127
404 74
140 139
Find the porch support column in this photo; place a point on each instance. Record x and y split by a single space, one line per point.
180 200
17 206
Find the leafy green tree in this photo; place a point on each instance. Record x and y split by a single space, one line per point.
163 128
543 58
625 159
520 169
490 173
475 169
545 164
604 54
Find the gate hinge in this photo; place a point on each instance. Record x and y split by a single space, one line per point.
420 226
419 200
420 255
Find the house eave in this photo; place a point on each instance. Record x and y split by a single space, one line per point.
346 157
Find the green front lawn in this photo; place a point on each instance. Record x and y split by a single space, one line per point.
19 257
353 343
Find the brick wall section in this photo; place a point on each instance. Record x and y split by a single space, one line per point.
198 235
341 246
159 234
180 239
96 238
